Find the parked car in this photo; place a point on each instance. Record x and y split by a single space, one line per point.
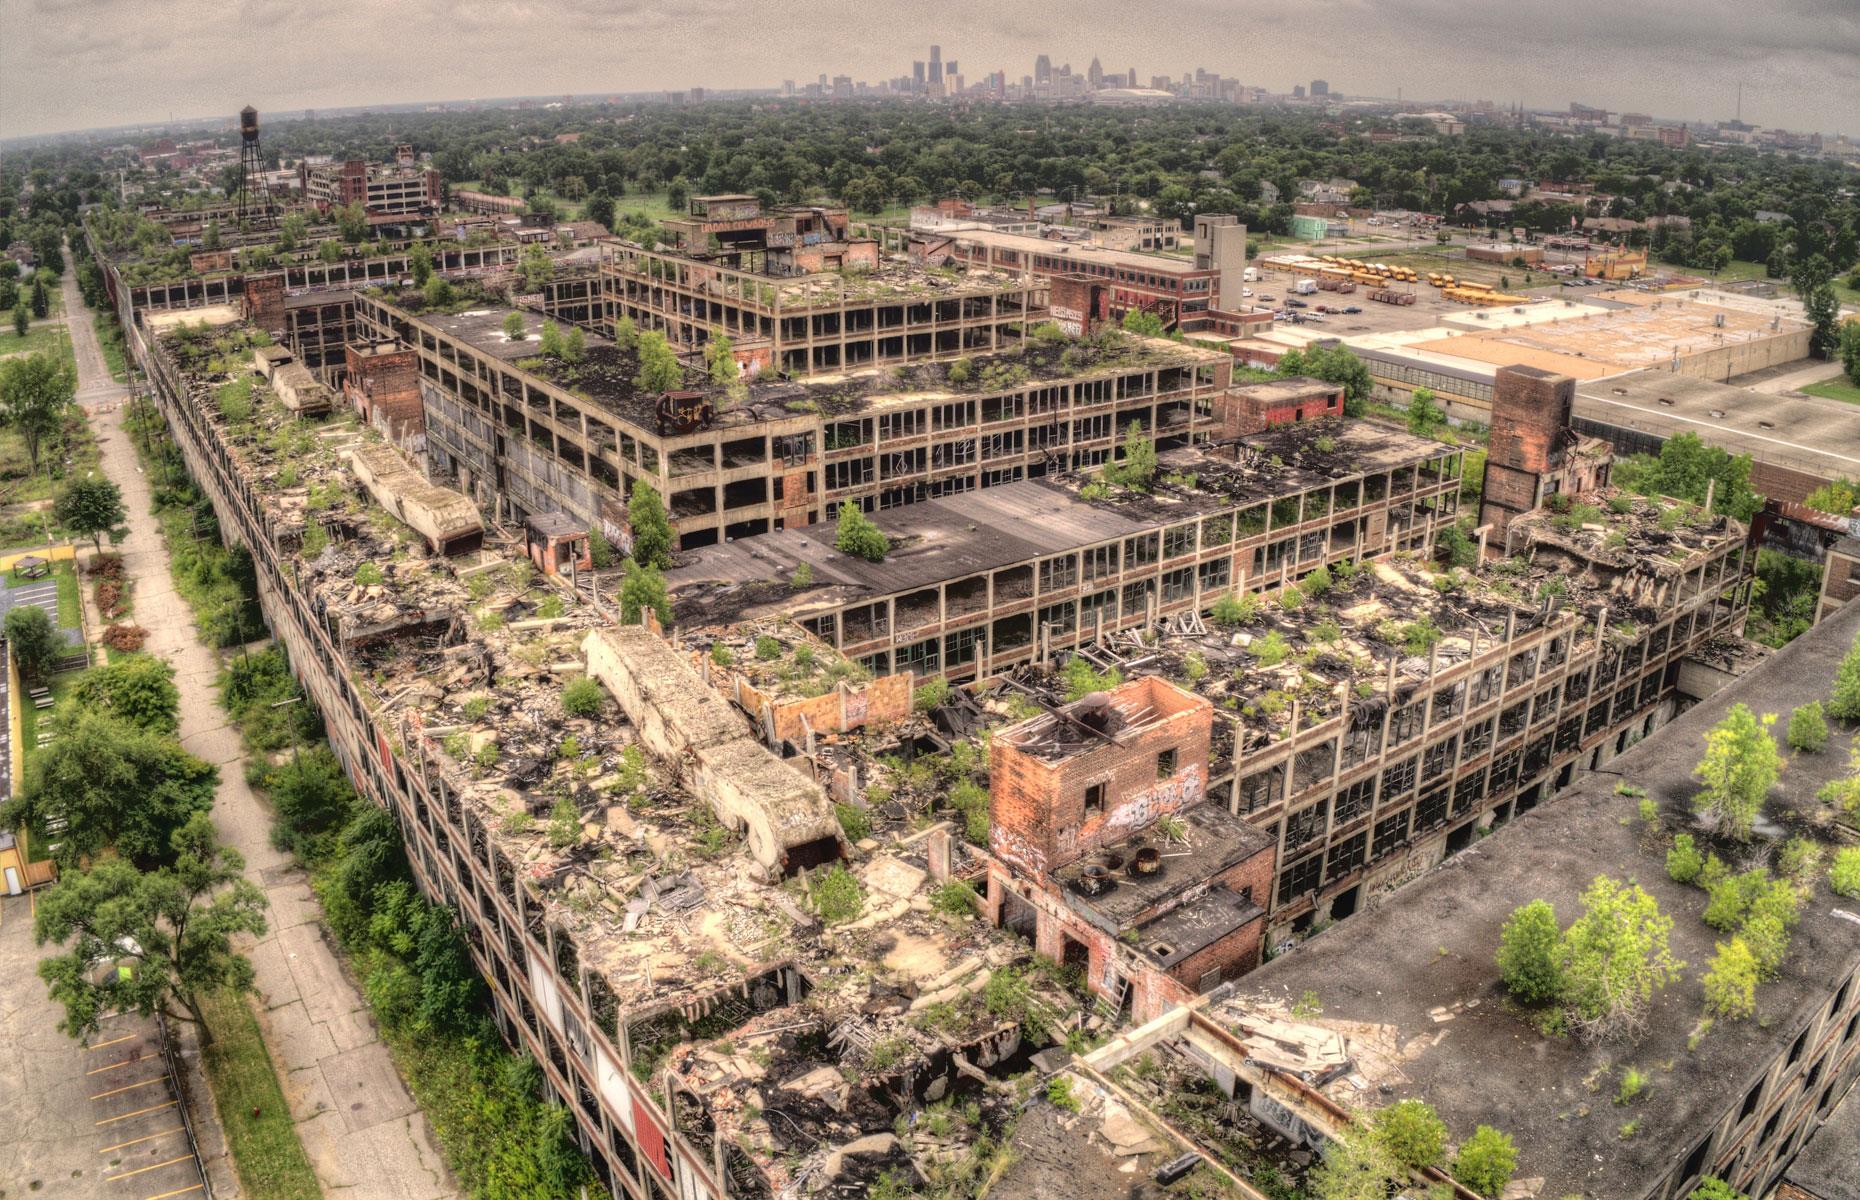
1265 297
1353 309
1294 302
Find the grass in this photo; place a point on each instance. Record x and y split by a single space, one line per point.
23 491
1838 388
29 713
259 1129
43 337
110 340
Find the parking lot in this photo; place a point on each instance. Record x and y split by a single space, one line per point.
98 1120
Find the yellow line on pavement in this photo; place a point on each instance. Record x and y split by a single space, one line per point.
127 1062
128 1037
137 1113
130 1087
151 1167
176 1192
138 1141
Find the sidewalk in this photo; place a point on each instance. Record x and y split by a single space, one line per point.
360 1127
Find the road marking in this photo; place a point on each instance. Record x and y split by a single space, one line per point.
138 1141
152 1167
130 1087
137 1113
176 1192
128 1062
130 1037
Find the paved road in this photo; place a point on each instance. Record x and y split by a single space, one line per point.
94 383
362 1130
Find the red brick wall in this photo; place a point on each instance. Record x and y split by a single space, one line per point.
1530 416
1243 410
1037 808
385 388
264 302
1077 303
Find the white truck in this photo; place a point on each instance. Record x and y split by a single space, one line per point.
1304 287
1250 275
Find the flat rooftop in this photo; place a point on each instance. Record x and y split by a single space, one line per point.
1804 433
1416 994
1083 253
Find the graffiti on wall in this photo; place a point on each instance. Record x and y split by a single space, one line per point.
1173 794
1012 849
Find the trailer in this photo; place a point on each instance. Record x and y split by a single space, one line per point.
1389 296
1330 283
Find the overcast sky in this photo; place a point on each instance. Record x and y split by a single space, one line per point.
76 64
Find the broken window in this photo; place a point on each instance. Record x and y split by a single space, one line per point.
1057 574
1303 828
1511 722
1391 832
1094 798
1355 800
1347 855
1398 780
1300 878
1431 809
1262 789
1468 791
1437 759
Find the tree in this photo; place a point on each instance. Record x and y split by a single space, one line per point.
113 785
210 240
1486 1162
1412 1133
600 209
1731 981
1850 348
1356 1166
1142 321
22 318
35 395
1424 416
437 293
1529 953
1808 729
1845 703
136 688
720 359
659 369
1683 861
311 794
291 232
170 930
536 268
1738 771
514 328
1136 470
551 343
90 507
1812 278
652 531
420 263
1333 363
1615 957
352 223
642 588
857 536
626 334
41 299
37 644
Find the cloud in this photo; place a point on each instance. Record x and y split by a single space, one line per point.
70 64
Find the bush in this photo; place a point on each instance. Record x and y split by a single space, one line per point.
971 800
837 896
930 695
1486 1162
856 535
311 795
1528 955
1844 875
1081 679
1731 981
125 639
1271 650
956 899
1412 1132
1799 860
1808 729
1683 861
1845 703
36 643
1713 1188
583 697
1232 611
853 822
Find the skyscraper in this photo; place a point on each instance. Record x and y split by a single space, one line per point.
1095 73
1043 69
936 65
1320 88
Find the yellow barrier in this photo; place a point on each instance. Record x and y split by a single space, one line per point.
66 552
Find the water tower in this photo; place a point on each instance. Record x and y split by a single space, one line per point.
253 199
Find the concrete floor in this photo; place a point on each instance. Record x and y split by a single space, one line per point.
361 1129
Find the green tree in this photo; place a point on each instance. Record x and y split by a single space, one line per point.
90 507
113 785
514 327
1713 1188
291 232
1731 980
626 334
1333 364
1850 348
210 240
37 644
1529 953
1845 703
600 209
1136 470
35 396
169 930
41 300
22 318
1808 729
720 360
1412 1133
1143 322
652 530
1356 1166
659 369
551 343
136 688
1813 279
352 223
312 796
1486 1162
1739 769
1424 416
536 268
856 535
642 588
1683 861
1615 957
420 263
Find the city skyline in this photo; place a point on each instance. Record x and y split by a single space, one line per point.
127 64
